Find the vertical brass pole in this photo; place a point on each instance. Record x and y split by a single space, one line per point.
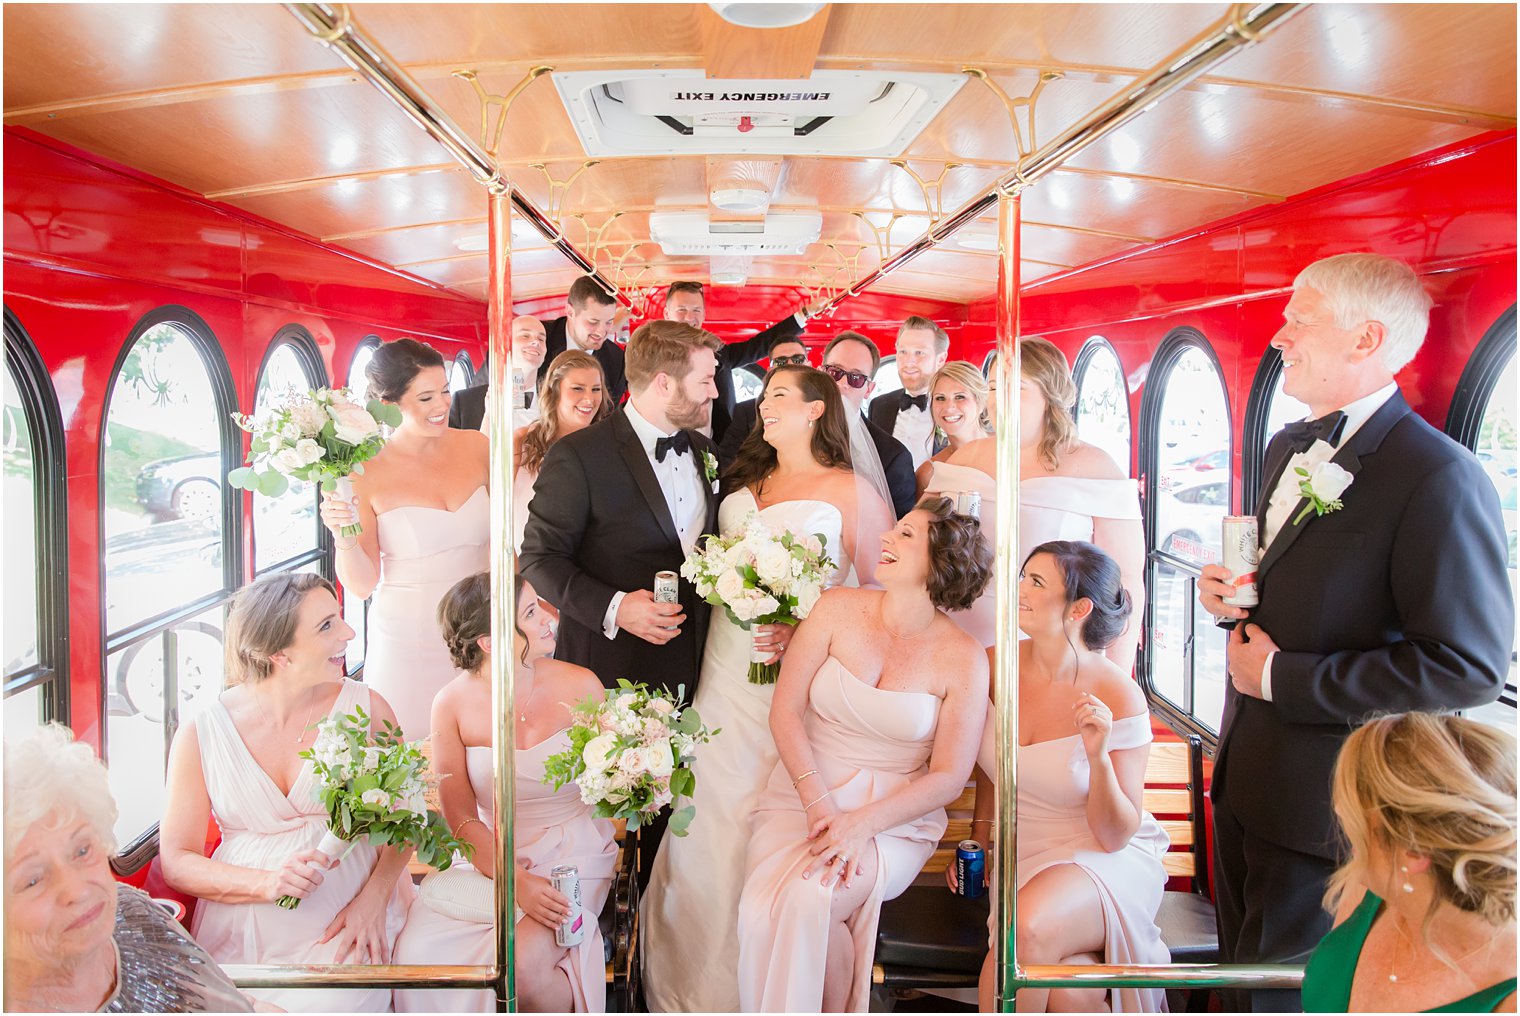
1006 675
503 580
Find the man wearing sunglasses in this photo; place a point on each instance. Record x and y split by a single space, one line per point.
685 302
851 360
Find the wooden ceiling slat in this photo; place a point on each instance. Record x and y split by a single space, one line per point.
781 54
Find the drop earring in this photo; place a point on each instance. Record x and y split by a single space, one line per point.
1408 886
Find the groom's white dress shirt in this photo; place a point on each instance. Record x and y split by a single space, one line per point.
915 429
1286 495
682 482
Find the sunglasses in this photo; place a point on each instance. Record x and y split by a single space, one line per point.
854 377
800 359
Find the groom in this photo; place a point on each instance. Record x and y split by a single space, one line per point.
621 500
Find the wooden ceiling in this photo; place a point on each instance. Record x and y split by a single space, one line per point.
240 103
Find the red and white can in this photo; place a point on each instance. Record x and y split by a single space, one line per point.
1241 549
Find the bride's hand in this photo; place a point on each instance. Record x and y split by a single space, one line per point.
776 637
840 842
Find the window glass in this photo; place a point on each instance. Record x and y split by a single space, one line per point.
886 379
356 613
161 486
22 624
748 384
1103 403
356 381
283 526
1193 452
23 712
459 373
1496 451
1283 409
188 654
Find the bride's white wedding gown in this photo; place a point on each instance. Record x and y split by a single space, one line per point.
690 912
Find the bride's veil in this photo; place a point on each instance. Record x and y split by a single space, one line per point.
873 499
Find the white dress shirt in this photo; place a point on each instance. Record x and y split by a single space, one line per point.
1286 495
915 429
685 488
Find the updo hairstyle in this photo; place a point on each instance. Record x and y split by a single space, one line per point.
464 615
1089 573
396 365
960 561
262 622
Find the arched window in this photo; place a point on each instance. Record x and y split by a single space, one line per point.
749 382
988 363
1102 400
355 610
169 528
886 379
1187 453
1484 417
286 531
36 542
1267 412
461 372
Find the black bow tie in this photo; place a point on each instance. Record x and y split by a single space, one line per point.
1328 429
679 442
920 401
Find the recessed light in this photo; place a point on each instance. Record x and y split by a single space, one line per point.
729 278
743 199
774 15
976 241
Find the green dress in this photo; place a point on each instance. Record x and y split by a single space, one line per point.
1327 978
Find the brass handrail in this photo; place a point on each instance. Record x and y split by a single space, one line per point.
344 975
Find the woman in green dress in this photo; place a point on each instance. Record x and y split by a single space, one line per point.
1425 905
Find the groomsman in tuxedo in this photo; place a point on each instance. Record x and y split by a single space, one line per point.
589 324
922 347
468 409
1383 588
685 302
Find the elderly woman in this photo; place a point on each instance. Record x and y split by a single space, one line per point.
1425 904
75 939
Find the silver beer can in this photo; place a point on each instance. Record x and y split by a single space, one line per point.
667 587
1241 552
969 502
566 880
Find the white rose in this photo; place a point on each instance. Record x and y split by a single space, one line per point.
1329 481
596 752
774 564
632 762
290 432
765 605
661 798
351 424
376 798
371 757
658 760
287 460
743 608
309 417
807 597
309 451
813 544
662 706
730 587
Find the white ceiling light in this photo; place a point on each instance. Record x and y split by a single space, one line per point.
775 15
692 233
976 241
729 278
741 198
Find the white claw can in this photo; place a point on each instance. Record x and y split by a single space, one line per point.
566 880
969 502
667 587
1241 548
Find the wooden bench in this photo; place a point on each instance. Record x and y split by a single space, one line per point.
930 938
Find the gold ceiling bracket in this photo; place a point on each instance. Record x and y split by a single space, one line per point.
883 236
933 192
594 236
490 138
559 188
1023 133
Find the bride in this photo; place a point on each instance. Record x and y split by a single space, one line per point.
795 471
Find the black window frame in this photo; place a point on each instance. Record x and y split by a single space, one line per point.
368 342
300 342
44 423
463 356
1253 457
1079 368
167 625
1176 715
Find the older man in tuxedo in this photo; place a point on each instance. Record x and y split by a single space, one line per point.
1383 588
922 348
468 410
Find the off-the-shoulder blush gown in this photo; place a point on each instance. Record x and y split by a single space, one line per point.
867 743
423 552
261 828
552 827
691 907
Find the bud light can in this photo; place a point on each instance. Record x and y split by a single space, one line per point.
969 502
970 869
1241 552
667 587
566 880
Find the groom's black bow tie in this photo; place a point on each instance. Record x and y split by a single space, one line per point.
1327 429
679 442
920 401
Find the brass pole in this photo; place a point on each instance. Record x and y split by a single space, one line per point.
503 580
1006 660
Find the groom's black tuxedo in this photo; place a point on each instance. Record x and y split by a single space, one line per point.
1398 601
598 524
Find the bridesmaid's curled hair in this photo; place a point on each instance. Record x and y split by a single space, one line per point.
396 365
464 615
960 561
262 621
1089 573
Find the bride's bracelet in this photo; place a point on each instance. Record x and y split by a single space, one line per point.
815 800
810 772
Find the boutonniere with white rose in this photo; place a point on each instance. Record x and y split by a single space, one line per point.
1323 488
710 468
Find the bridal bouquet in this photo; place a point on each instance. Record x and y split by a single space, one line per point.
321 436
631 755
373 786
760 575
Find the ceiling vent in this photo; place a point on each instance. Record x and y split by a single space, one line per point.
729 270
679 111
693 233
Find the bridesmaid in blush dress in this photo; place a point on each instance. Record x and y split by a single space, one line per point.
238 761
876 716
551 827
571 398
425 507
